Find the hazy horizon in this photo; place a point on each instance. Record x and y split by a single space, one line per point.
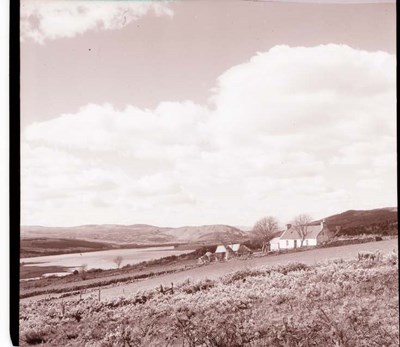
200 113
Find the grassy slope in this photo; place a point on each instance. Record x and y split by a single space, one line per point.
38 271
35 247
342 303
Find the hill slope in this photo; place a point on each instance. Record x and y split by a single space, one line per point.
353 222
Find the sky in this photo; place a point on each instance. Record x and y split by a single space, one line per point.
196 112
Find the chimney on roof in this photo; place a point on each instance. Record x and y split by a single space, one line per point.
288 226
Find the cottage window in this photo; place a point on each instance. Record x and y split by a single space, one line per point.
287 242
306 242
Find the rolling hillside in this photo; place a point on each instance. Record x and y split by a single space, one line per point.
354 222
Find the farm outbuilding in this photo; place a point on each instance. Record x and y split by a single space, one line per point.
220 252
203 259
206 258
230 251
210 256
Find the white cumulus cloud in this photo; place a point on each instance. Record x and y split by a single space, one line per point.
43 20
292 130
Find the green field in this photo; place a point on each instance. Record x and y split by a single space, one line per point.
36 247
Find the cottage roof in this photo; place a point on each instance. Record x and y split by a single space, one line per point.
220 249
235 247
292 233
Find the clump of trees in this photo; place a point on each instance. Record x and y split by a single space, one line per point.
265 230
82 271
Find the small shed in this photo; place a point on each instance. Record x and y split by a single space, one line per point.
229 251
220 252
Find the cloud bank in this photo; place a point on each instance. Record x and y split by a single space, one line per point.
292 130
43 20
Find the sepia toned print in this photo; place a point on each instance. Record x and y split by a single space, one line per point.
208 173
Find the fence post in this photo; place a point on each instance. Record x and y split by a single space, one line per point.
172 288
99 294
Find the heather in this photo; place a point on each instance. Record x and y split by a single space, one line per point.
336 303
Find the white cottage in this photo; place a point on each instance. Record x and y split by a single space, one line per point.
274 244
316 234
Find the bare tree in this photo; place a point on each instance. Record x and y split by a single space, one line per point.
265 229
82 271
118 261
301 225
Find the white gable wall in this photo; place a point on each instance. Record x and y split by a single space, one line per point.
289 244
274 244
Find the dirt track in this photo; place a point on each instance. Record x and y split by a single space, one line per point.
216 270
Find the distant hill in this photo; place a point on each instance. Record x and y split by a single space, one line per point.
352 222
244 227
139 233
355 222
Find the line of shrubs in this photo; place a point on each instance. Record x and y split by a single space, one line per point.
96 284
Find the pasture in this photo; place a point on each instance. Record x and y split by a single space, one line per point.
215 270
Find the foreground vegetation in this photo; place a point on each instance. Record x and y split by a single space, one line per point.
340 303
